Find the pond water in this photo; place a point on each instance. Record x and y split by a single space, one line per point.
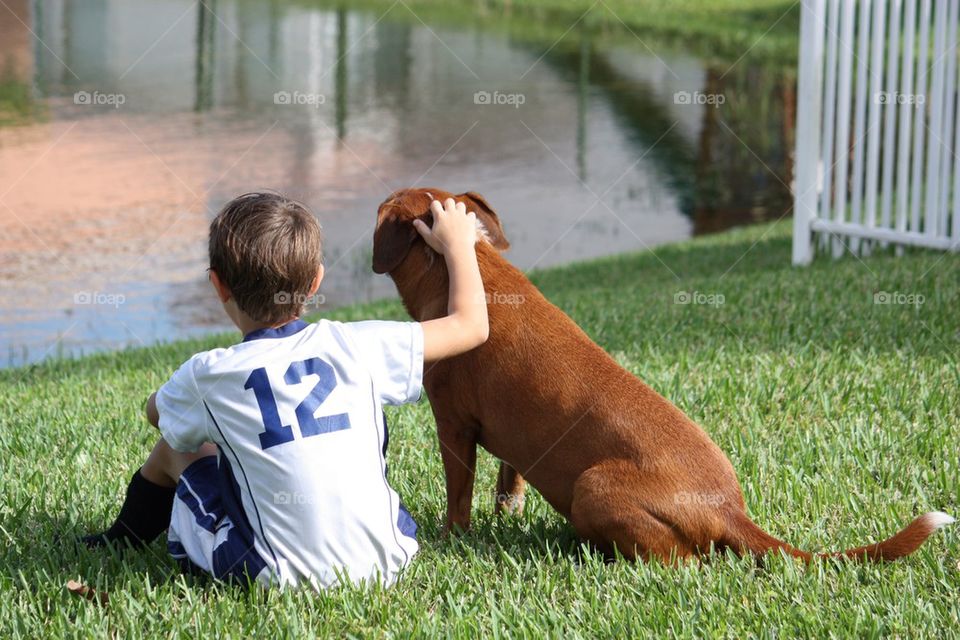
126 124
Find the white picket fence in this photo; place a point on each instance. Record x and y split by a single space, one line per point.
877 130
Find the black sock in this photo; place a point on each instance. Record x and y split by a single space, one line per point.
145 514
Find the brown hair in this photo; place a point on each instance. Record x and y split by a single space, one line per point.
267 250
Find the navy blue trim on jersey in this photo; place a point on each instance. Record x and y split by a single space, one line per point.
287 330
236 557
386 437
198 490
247 481
383 461
406 523
210 491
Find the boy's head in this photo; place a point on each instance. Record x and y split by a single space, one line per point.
265 254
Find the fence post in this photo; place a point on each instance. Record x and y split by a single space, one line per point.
809 99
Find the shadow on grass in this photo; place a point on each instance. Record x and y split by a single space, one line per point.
522 538
51 548
48 550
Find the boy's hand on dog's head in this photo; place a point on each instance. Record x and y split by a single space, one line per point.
453 228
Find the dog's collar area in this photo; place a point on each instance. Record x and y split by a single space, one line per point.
292 327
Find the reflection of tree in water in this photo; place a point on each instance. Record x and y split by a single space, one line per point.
341 78
634 104
744 164
393 62
741 168
205 60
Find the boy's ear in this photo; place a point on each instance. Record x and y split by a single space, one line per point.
223 291
391 244
485 214
317 280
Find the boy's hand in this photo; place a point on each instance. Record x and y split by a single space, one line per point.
466 325
453 227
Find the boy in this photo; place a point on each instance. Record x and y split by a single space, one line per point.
270 466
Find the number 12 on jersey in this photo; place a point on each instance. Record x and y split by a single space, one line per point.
278 433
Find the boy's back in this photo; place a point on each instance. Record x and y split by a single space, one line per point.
296 413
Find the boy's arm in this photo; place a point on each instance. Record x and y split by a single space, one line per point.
454 235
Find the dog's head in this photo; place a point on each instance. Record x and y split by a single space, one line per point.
395 234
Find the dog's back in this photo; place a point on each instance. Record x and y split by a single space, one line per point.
551 403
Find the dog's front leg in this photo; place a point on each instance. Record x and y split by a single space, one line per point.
510 491
458 449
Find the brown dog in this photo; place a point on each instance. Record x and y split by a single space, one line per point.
628 469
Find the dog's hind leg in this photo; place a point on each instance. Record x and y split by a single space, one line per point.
608 511
511 488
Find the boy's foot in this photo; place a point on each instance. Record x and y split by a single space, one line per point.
98 540
145 514
94 540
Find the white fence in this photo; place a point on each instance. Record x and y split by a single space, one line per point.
877 126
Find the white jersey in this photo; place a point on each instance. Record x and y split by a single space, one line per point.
296 413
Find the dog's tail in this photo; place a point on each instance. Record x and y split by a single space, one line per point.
746 536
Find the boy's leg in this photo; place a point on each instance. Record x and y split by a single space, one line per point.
146 509
165 465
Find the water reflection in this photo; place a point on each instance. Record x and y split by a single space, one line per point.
99 198
206 32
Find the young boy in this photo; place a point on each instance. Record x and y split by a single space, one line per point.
271 462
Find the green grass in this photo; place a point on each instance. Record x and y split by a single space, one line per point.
840 416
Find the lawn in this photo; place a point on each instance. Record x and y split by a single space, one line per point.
840 415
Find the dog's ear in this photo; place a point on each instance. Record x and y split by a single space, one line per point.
488 217
391 244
